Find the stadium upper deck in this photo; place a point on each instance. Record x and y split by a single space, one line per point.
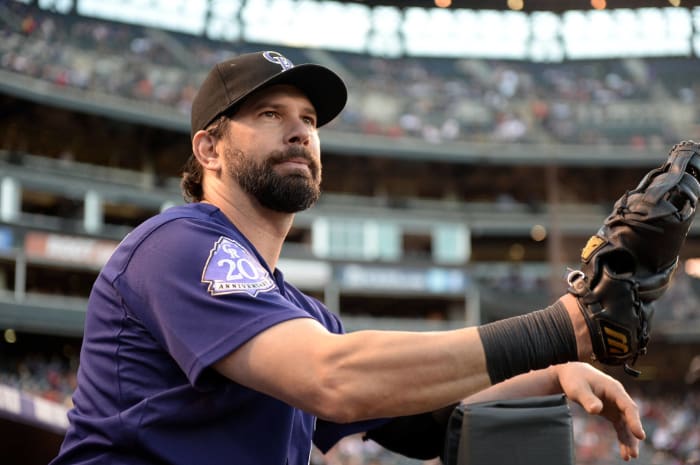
467 143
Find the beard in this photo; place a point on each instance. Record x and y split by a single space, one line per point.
289 193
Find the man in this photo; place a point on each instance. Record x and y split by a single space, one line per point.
197 351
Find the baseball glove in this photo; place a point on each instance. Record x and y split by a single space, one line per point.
629 263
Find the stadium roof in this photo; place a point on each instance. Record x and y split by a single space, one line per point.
534 5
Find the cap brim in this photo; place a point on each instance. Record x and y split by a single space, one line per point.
325 89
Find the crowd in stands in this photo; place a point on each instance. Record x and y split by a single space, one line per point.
50 375
672 423
601 102
91 55
680 303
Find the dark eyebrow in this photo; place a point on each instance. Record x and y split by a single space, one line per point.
260 104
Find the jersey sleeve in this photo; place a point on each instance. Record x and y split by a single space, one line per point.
201 293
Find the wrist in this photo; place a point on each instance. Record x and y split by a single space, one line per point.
531 341
553 383
583 336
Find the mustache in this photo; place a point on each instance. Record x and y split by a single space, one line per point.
291 153
296 152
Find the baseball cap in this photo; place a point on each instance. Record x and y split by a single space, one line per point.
231 81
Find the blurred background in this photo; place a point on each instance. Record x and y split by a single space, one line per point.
482 144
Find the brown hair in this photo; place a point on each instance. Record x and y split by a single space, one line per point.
192 173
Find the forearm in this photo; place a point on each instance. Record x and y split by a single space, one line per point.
541 381
371 374
359 375
533 383
391 374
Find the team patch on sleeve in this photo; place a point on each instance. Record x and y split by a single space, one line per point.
231 269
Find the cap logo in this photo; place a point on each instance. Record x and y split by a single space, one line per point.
276 57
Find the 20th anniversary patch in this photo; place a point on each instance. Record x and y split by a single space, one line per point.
231 269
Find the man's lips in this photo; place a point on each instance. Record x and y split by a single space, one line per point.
296 161
296 164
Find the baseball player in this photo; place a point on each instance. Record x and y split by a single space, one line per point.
197 351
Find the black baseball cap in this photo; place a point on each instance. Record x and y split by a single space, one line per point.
231 81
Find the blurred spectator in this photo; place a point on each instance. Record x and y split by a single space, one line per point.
434 99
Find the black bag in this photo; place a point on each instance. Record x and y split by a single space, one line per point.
529 431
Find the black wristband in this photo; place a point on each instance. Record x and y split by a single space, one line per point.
528 342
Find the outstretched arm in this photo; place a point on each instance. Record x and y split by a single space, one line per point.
595 391
365 374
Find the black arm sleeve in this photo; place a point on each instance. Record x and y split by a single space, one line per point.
420 436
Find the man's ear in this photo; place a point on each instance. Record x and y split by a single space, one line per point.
204 150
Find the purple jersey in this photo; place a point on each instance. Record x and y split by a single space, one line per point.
181 291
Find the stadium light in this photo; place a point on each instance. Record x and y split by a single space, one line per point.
516 5
10 336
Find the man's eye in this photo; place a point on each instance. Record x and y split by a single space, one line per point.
310 121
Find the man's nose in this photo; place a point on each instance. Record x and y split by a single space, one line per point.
299 132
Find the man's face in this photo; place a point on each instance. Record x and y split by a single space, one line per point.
272 149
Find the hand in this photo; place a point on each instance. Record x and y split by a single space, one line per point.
600 394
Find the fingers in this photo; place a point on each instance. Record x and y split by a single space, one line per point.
629 443
589 401
624 414
625 453
600 394
628 412
575 382
634 424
